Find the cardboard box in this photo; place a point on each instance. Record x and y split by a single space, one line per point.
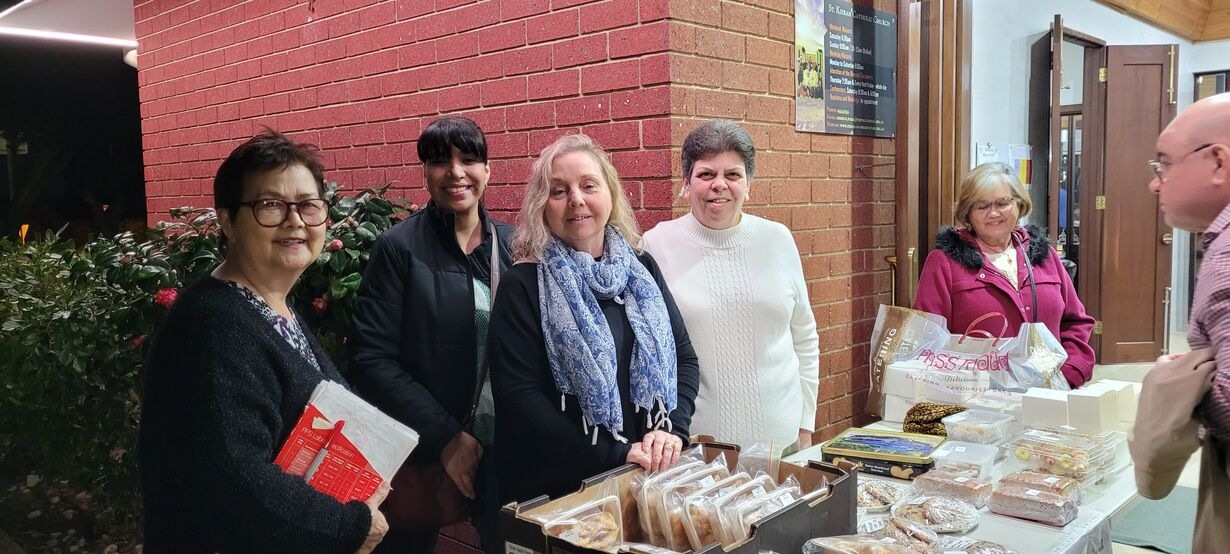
1093 409
784 531
1044 408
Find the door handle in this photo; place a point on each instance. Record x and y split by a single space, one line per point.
1167 238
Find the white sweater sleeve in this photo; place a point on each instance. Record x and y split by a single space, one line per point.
806 339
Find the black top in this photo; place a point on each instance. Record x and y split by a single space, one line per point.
414 349
543 450
222 392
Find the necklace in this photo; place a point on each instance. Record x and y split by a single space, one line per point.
991 249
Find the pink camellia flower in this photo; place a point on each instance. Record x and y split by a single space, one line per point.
165 297
335 244
138 340
320 304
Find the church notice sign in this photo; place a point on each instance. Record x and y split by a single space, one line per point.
846 68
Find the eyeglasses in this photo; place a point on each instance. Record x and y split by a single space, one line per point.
1160 167
270 212
1002 205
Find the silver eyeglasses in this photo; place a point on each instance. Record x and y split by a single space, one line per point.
1001 205
1160 167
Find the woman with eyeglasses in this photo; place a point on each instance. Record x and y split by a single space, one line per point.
230 370
986 262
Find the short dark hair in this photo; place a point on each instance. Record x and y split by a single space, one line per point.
437 141
714 137
266 151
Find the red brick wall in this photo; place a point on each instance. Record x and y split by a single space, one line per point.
361 77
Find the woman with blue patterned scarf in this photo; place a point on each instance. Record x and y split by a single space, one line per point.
591 365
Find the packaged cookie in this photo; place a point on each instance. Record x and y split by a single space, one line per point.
942 515
593 525
1060 485
878 496
1038 505
700 521
939 482
669 501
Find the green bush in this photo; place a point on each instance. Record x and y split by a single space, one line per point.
73 322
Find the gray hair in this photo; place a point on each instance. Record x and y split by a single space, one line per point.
714 137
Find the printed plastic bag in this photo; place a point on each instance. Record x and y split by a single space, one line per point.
913 356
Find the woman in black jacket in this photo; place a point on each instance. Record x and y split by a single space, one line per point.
591 365
420 322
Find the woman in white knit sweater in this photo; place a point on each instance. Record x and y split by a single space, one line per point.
738 281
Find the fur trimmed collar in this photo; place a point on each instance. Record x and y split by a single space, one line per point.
959 244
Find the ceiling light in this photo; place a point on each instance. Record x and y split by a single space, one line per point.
15 7
73 37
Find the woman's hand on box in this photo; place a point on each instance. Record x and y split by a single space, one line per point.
663 449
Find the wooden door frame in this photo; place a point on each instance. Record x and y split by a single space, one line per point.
933 125
1093 174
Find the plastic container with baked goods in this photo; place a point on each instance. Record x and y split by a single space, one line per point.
938 482
594 524
1066 486
741 517
1114 442
978 426
1038 505
940 514
1055 453
875 496
855 544
757 487
966 458
670 506
645 498
701 521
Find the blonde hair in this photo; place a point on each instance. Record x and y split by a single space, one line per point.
981 180
532 234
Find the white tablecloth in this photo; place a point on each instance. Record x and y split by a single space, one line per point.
1089 533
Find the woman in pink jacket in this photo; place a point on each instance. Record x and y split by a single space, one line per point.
985 263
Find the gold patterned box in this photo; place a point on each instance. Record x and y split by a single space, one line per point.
887 453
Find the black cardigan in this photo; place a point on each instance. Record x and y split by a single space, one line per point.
542 450
414 349
222 392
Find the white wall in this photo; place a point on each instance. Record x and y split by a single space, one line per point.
1210 56
1003 33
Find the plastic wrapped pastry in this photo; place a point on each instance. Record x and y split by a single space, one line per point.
1038 505
944 483
1057 484
855 544
701 522
592 525
942 515
878 496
